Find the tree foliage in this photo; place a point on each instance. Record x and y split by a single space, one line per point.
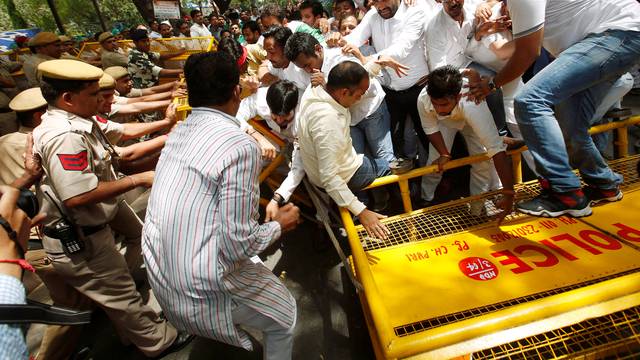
79 16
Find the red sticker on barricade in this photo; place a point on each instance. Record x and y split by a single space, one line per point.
478 268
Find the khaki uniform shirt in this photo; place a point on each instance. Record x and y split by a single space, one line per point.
255 56
12 146
30 68
75 160
113 58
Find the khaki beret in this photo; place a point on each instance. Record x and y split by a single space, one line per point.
28 100
107 82
104 36
64 69
117 72
64 38
43 38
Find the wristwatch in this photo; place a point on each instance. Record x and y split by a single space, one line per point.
278 199
492 85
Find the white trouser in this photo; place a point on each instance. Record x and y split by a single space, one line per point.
480 172
509 92
277 340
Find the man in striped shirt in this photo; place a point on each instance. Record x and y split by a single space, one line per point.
201 230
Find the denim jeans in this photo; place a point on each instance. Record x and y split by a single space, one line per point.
612 99
575 83
367 172
373 134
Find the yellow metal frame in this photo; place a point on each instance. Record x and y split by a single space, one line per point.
437 342
402 180
128 44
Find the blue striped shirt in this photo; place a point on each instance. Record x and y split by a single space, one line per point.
202 228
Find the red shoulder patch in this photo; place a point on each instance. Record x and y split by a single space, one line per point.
74 162
101 119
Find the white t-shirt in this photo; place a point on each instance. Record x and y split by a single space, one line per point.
370 101
291 73
567 22
401 37
446 39
466 113
480 51
199 30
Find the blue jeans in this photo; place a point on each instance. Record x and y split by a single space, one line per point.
612 99
575 83
373 134
367 172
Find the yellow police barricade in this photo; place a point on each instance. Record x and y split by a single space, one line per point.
91 50
447 284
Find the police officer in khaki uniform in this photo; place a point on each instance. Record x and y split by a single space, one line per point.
8 122
111 54
81 194
44 46
58 342
29 105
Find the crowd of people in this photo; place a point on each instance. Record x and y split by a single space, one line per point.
127 193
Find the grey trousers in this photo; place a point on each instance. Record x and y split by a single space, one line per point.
277 341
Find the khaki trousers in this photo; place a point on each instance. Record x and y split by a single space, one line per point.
101 273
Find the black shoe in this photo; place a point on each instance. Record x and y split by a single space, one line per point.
400 166
554 204
421 204
380 199
183 339
597 195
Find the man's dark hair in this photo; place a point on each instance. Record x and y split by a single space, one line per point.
300 43
347 74
194 12
251 25
272 10
154 20
445 81
231 46
279 33
26 117
211 78
52 89
180 22
315 6
233 15
294 15
282 97
351 3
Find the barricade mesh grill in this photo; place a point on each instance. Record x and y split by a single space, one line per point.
613 336
455 216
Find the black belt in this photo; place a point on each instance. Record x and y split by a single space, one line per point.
35 312
86 230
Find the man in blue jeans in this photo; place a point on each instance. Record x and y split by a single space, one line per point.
594 42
